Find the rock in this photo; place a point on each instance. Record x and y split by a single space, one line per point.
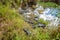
36 19
30 22
26 31
33 26
48 14
27 10
41 25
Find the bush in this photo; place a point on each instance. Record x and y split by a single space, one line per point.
43 21
11 3
48 4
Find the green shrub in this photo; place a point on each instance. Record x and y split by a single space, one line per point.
11 3
58 15
43 21
48 4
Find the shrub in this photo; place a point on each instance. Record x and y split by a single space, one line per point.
43 21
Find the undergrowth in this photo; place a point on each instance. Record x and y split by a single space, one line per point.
12 24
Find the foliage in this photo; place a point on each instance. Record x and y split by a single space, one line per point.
11 3
58 15
43 21
12 24
48 4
